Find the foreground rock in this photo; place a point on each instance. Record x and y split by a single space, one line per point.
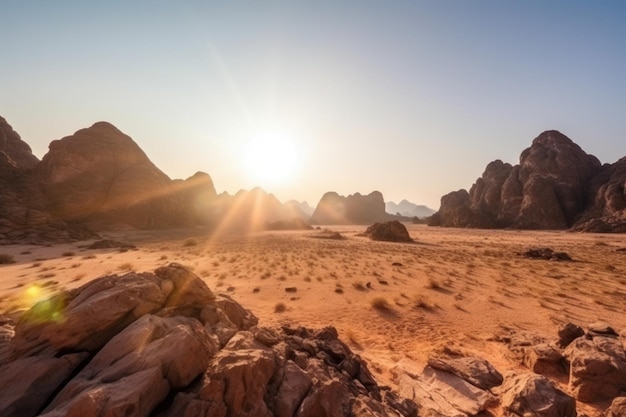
556 185
449 387
392 231
162 344
535 396
597 367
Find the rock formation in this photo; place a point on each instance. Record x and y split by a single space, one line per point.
100 176
162 344
353 209
23 214
555 186
96 178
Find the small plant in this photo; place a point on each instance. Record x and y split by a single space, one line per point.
6 259
380 303
191 242
126 266
280 308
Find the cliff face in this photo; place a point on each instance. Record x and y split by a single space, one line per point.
555 186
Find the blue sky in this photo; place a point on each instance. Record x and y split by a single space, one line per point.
412 98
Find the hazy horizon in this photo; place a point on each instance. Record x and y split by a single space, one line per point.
412 99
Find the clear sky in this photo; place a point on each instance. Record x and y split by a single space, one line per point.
412 98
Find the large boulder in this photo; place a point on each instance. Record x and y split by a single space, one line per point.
597 367
162 344
530 395
392 231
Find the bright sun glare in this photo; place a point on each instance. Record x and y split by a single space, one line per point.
271 158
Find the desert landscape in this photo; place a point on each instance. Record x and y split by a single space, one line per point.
313 209
394 304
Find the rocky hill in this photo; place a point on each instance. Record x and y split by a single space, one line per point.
96 178
556 185
353 209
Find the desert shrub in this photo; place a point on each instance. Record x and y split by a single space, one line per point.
126 266
6 259
380 303
191 242
280 308
68 253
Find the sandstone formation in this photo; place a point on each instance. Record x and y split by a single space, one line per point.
555 186
353 209
95 179
163 344
392 231
23 214
100 176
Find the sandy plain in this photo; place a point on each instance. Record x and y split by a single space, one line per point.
393 303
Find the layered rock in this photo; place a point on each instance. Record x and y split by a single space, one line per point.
162 344
353 209
555 186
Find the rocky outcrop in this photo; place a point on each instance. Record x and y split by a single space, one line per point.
353 209
453 387
608 196
15 149
96 178
392 231
531 395
162 344
100 176
555 186
597 367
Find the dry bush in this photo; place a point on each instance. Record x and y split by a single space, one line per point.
126 266
68 253
280 308
424 303
433 284
380 303
191 242
6 259
358 286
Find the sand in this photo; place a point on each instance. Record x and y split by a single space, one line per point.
393 303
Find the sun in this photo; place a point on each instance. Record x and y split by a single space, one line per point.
271 158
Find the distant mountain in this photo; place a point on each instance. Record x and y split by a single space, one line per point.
353 209
254 210
302 208
556 185
408 209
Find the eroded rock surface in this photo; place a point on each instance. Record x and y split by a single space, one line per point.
162 344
